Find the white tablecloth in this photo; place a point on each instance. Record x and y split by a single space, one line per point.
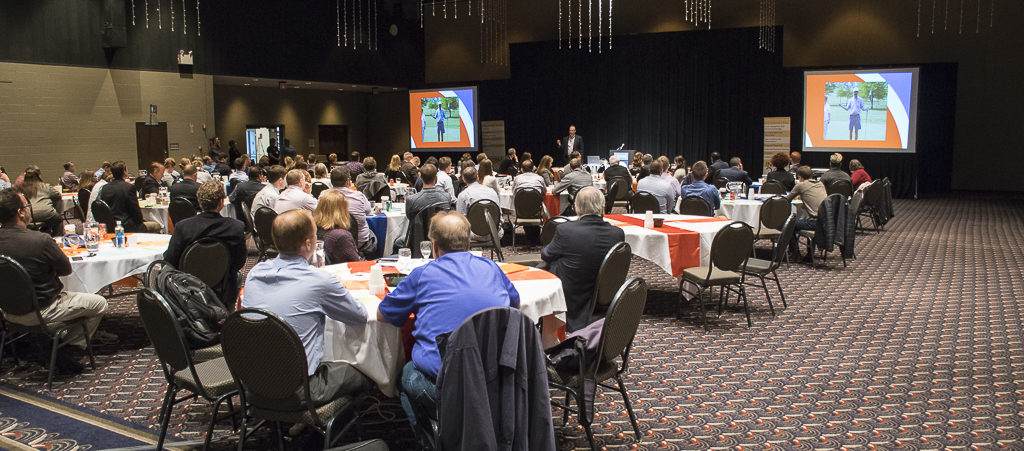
67 202
376 348
505 201
749 211
157 214
401 190
653 245
110 264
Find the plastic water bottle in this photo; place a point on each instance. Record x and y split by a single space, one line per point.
119 240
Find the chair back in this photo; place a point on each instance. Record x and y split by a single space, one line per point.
164 331
208 259
529 204
695 205
774 212
782 244
83 201
318 187
721 182
263 221
250 339
247 219
644 201
149 278
731 246
382 190
103 214
419 228
19 292
773 187
611 274
855 203
843 187
619 188
180 209
547 232
484 219
621 321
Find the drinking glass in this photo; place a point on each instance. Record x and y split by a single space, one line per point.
425 248
404 258
318 257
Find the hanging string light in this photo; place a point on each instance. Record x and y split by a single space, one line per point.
159 17
574 26
171 4
199 29
184 19
147 14
133 13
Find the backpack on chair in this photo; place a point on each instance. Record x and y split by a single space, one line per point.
196 307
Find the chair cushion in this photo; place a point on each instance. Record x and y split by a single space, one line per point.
758 266
805 233
572 378
323 413
210 353
214 375
698 274
528 221
768 233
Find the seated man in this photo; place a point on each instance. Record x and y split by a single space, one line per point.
666 174
616 170
442 294
577 177
267 196
529 180
473 192
835 171
430 195
812 193
246 191
151 183
45 264
296 195
69 181
659 187
123 200
443 179
210 224
304 297
186 187
735 172
359 206
510 165
576 252
240 173
701 188
369 174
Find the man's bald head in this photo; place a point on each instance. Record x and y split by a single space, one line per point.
291 230
449 231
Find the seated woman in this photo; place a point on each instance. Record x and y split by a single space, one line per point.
394 170
781 173
544 169
857 174
332 222
44 200
485 176
320 174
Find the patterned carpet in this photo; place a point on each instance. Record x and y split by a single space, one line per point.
918 344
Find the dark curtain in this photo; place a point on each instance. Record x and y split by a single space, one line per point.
680 93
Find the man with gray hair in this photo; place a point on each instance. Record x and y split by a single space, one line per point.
576 252
577 177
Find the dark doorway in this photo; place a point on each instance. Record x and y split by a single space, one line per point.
150 143
333 139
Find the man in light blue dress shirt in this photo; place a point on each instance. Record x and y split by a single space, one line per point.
304 297
855 105
659 187
700 188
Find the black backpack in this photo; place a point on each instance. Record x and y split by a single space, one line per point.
196 307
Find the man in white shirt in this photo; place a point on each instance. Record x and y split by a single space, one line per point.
528 179
855 105
267 197
473 192
444 180
296 195
658 187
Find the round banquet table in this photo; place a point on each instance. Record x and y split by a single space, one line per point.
157 214
401 189
377 349
749 210
388 227
554 204
67 201
110 264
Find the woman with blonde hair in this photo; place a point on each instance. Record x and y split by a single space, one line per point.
394 170
289 163
332 222
320 174
544 169
43 199
485 175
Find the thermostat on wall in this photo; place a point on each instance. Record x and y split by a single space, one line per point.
184 59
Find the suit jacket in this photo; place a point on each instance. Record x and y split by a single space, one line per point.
186 188
123 200
575 255
562 158
212 225
735 174
148 185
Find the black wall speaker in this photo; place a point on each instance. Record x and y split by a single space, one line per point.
113 26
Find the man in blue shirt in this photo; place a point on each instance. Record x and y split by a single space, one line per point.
855 105
303 296
700 188
442 294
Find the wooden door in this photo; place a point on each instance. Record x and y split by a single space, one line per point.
333 139
150 143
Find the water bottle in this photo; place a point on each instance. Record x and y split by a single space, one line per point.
119 235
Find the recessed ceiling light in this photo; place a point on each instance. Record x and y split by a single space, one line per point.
394 89
308 83
246 84
255 79
341 89
353 86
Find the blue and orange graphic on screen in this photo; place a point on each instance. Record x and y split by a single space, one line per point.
858 110
442 119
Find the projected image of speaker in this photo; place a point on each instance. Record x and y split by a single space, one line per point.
443 120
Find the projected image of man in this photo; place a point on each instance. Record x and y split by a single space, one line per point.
441 116
827 118
855 106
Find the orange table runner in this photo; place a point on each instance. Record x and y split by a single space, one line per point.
364 266
531 275
683 245
553 203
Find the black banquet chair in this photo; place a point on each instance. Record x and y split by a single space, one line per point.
643 202
729 251
180 209
263 220
20 299
485 220
696 206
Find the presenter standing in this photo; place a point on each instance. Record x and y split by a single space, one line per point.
440 116
567 145
855 105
